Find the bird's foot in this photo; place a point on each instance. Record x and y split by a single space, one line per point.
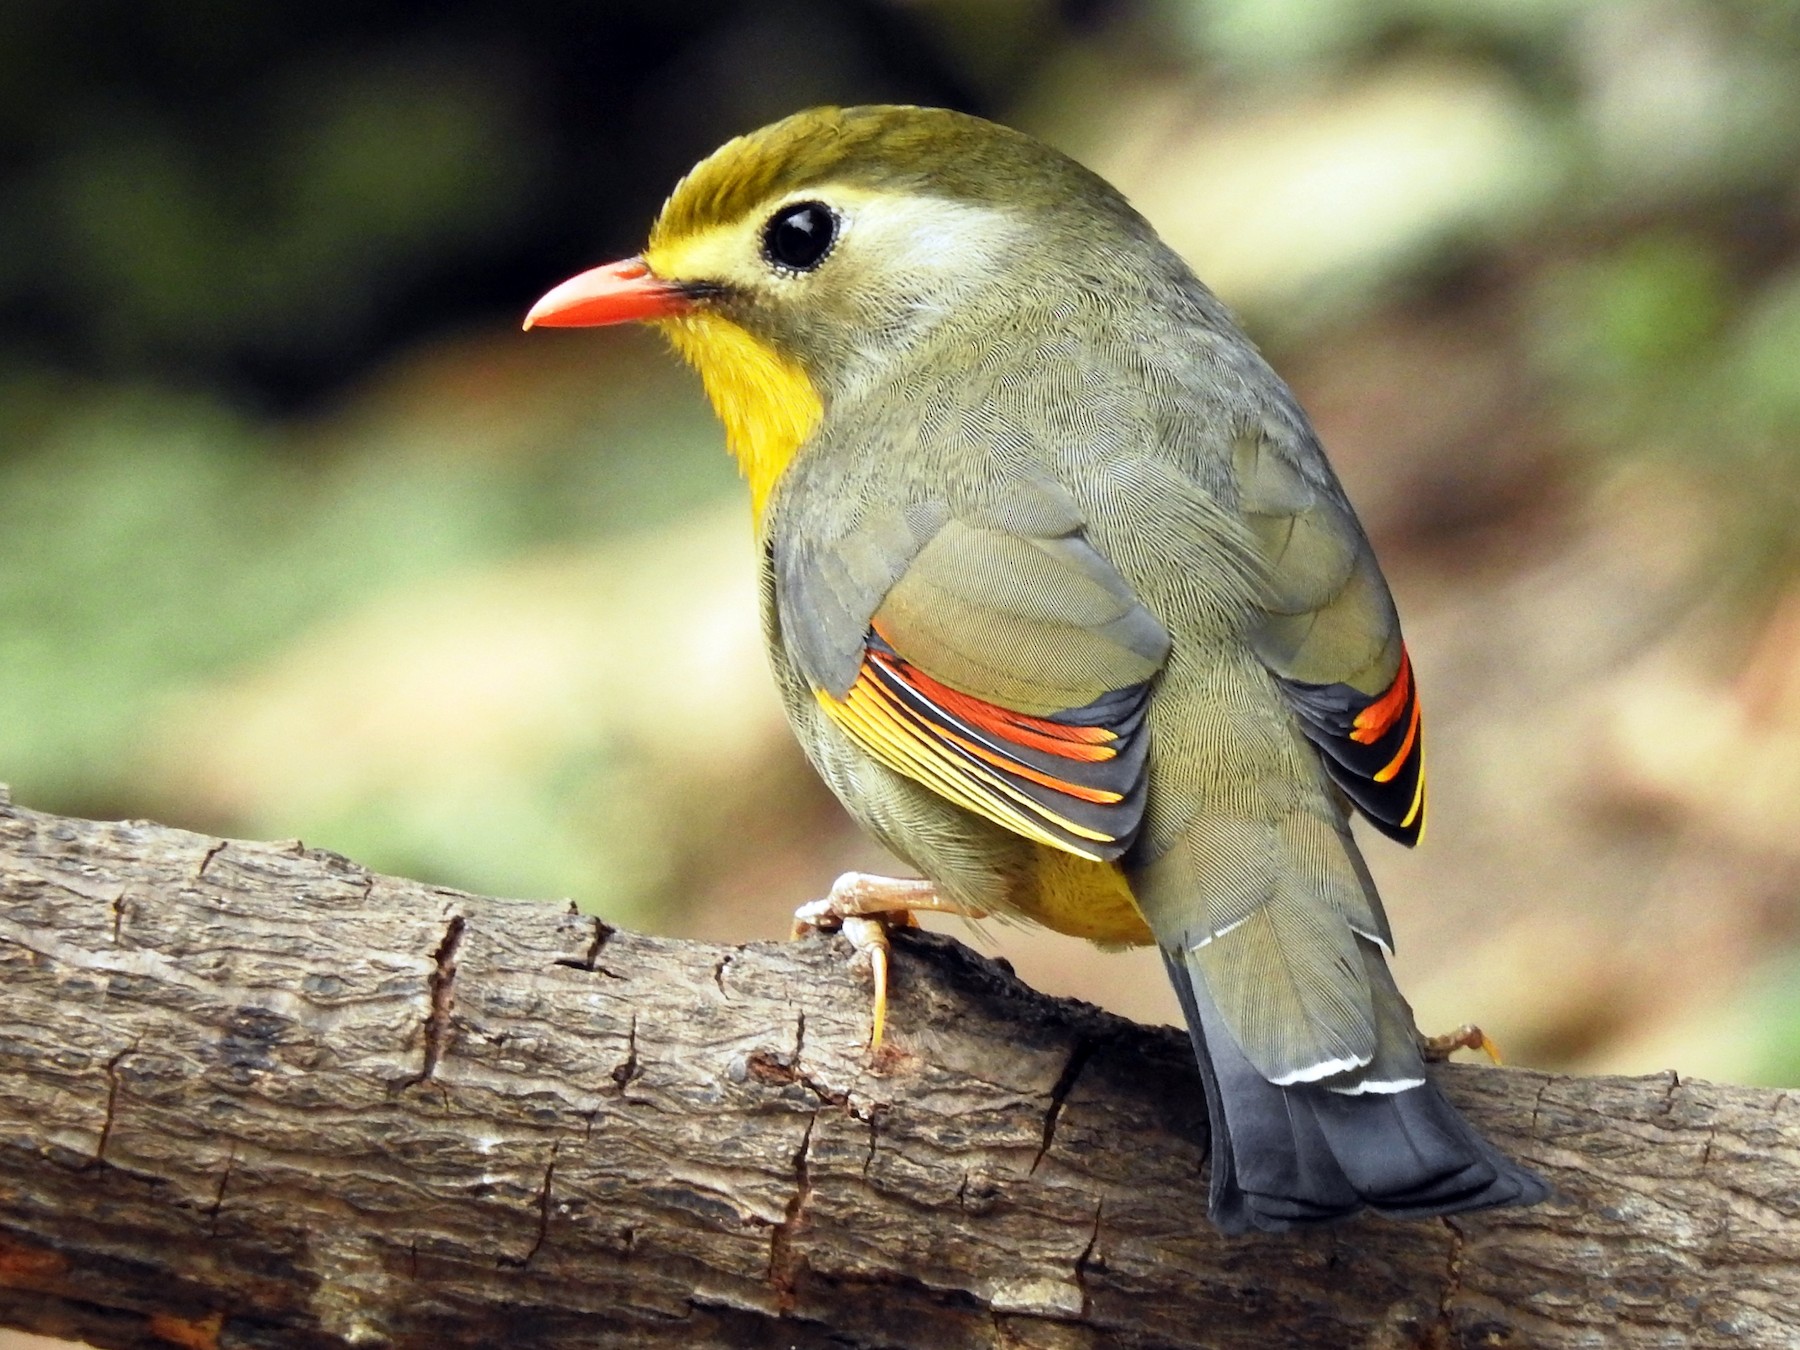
864 907
1437 1049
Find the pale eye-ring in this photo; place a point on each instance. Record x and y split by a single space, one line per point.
798 236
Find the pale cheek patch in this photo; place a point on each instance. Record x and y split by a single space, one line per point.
929 250
953 244
917 260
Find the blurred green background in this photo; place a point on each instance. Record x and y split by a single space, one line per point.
302 537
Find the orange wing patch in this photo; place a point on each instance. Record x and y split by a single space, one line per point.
1373 748
1072 781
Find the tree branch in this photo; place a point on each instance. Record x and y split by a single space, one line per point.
253 1095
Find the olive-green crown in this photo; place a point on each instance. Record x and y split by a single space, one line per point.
891 147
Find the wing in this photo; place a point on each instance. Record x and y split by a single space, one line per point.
1007 665
1373 747
1332 637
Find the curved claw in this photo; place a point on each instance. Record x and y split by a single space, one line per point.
870 938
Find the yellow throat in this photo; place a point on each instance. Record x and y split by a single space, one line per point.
766 401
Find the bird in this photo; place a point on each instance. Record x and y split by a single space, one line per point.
1067 607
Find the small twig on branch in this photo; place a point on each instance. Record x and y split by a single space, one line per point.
252 1094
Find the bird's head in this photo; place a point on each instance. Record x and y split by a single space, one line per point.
801 263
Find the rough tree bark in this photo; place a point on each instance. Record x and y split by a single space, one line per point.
254 1095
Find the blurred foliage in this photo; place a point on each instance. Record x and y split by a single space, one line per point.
303 538
269 198
1773 1000
198 545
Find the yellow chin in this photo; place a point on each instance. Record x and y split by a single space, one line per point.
767 403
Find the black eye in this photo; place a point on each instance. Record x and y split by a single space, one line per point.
798 237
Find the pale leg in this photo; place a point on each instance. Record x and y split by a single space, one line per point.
864 907
1437 1049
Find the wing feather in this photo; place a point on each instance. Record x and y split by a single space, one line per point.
1332 638
1374 748
996 657
1074 780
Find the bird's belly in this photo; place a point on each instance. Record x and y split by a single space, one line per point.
1084 899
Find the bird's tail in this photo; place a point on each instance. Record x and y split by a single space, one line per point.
1285 1157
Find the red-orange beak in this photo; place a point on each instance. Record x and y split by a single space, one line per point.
615 293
